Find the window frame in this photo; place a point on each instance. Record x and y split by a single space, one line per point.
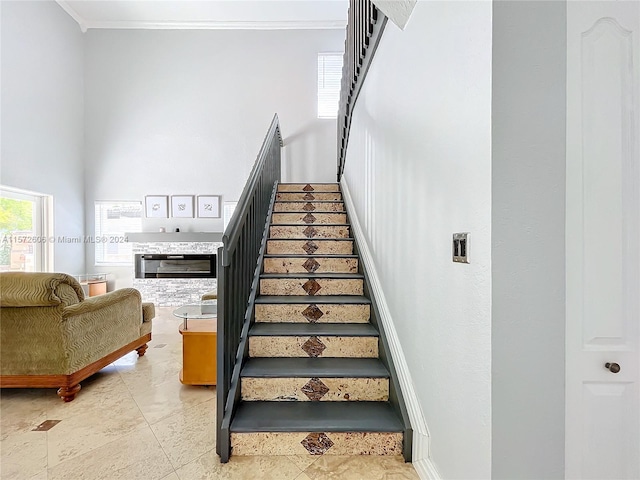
322 102
102 238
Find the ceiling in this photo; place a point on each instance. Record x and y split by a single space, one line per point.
208 14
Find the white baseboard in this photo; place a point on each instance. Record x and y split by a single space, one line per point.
421 461
426 469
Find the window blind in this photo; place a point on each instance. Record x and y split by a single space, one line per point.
329 76
113 220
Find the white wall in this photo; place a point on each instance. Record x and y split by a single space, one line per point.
185 112
42 115
528 247
419 168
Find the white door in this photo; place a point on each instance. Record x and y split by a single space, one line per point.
602 240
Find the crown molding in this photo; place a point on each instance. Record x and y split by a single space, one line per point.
73 14
223 25
206 25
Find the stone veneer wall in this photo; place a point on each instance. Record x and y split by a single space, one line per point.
166 292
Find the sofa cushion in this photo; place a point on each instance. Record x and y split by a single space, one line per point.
212 295
28 289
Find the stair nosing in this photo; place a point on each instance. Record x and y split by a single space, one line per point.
300 367
294 329
338 239
327 417
328 275
312 255
310 225
309 201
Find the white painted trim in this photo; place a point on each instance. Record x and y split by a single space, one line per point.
421 438
205 25
398 11
73 14
222 25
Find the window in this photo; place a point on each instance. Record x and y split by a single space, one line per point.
329 77
113 221
25 231
229 208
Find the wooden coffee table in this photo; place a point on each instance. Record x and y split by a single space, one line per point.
199 336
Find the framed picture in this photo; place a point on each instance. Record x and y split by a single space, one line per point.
156 206
209 206
182 206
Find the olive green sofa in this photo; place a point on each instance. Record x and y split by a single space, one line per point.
51 336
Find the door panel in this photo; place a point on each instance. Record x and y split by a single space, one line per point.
603 261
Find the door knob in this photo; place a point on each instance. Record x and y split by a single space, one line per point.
613 367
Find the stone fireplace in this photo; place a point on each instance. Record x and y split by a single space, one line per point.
174 254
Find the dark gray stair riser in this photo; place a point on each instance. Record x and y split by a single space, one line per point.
317 416
314 367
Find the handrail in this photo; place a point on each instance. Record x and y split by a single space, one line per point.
364 31
238 266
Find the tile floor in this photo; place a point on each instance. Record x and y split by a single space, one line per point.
135 420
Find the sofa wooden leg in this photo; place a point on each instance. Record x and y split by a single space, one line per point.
67 394
141 350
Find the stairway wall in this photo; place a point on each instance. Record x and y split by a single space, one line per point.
42 116
418 169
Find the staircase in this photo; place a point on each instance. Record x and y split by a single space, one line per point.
315 382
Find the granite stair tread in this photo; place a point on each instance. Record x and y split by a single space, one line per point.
283 367
325 299
315 417
272 329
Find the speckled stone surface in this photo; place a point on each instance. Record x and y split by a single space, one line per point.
309 231
299 265
295 313
296 286
293 389
308 207
349 347
308 218
310 246
291 443
309 187
309 196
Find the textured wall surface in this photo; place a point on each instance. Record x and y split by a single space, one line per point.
419 169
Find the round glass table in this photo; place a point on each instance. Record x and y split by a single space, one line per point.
197 311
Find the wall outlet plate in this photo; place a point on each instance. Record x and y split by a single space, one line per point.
460 247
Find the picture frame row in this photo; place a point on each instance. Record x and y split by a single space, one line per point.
182 206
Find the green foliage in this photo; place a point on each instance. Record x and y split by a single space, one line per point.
15 215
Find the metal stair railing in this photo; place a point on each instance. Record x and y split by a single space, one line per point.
238 264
